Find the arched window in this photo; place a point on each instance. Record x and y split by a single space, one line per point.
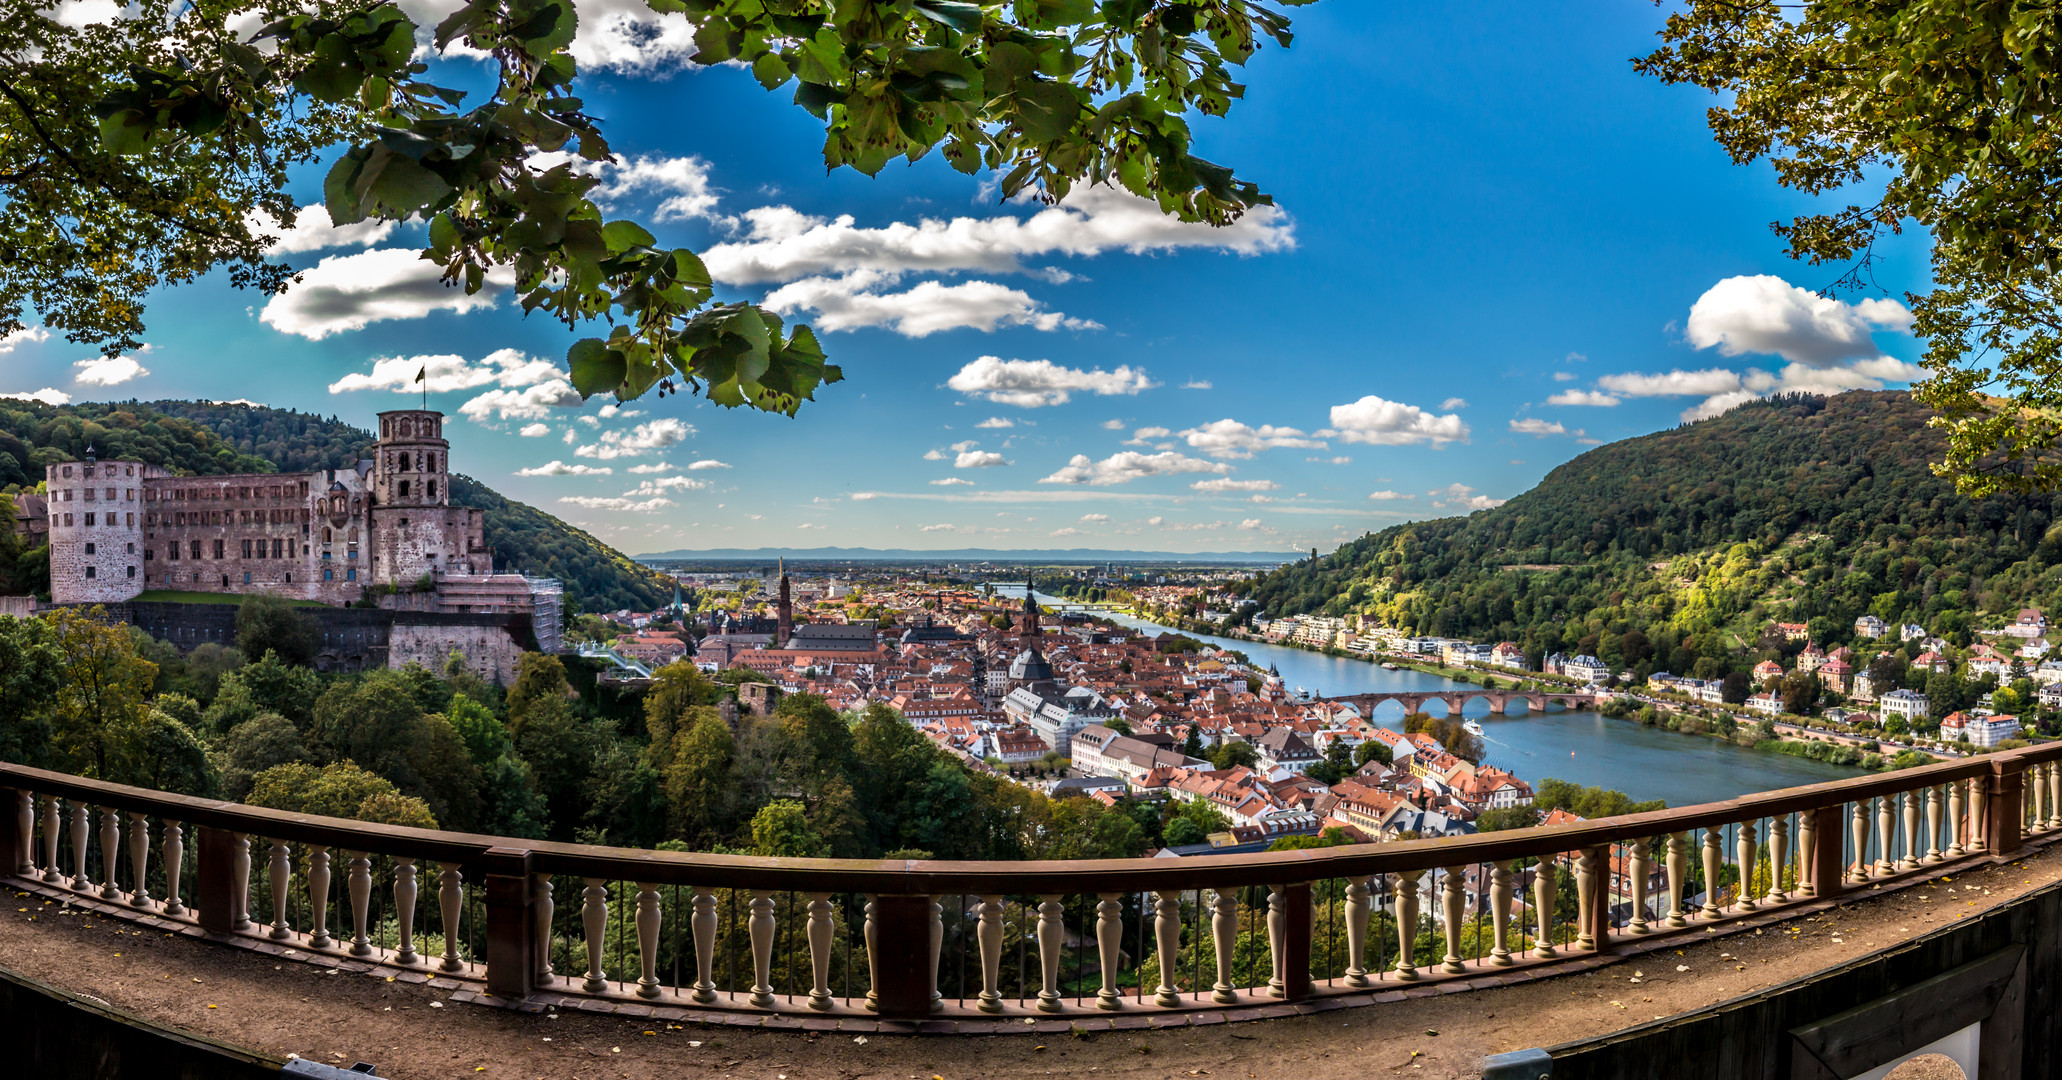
326 535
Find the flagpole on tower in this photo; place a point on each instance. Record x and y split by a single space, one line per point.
422 376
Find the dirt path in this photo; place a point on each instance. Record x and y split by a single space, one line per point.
411 1033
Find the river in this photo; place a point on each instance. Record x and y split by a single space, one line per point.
1584 747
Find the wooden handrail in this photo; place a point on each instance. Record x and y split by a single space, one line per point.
1016 878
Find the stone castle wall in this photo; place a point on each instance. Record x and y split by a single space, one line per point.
96 514
357 639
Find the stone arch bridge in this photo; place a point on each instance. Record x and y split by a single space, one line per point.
1536 701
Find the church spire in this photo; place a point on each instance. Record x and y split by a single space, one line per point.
785 609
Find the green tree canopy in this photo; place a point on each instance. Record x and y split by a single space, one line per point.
1935 115
137 148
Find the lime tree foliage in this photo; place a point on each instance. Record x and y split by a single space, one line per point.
1675 551
1940 116
137 148
441 748
207 438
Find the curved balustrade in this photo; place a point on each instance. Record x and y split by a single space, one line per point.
910 940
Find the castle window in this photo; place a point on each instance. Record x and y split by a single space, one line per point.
90 493
131 517
247 549
279 549
327 535
352 573
329 575
89 571
404 489
89 520
218 549
147 554
68 470
247 577
132 573
110 494
196 554
289 579
430 489
128 494
131 549
89 547
172 552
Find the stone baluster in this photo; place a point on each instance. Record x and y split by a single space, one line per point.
988 935
1499 914
282 875
1807 850
1052 942
1886 836
1545 894
2055 794
25 827
761 926
1714 856
175 860
1224 932
541 910
1778 858
1932 845
1587 879
937 950
1858 823
1452 899
1642 865
404 910
1407 923
80 828
648 921
873 955
1908 802
1167 931
1955 792
450 906
821 936
1745 842
1278 939
110 851
1109 945
1979 815
359 886
594 919
139 860
1357 915
240 881
318 898
53 809
1678 877
2033 806
704 927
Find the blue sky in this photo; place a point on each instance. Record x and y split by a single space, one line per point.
1494 246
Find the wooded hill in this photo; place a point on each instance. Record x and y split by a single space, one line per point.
1801 508
208 438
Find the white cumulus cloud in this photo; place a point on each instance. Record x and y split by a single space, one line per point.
49 395
1763 314
313 231
950 481
858 300
607 502
1130 465
978 459
35 335
350 292
704 464
1220 485
1231 439
1533 425
1462 495
1582 397
638 441
1033 383
108 371
560 468
1388 496
682 183
1381 422
446 372
529 403
534 431
997 422
1095 519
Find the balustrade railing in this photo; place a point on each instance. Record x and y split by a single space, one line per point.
1036 939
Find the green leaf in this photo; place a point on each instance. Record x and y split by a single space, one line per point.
771 70
339 186
443 235
1047 110
328 80
965 18
623 235
125 132
594 368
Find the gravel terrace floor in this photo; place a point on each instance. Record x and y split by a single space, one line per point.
411 1033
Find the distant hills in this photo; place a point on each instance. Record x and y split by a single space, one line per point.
1076 555
1683 544
211 438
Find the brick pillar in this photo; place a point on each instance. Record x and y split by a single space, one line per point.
1296 934
2003 812
902 975
512 943
215 867
1829 856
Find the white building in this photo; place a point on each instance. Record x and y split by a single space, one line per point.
1909 704
1870 626
1587 668
1981 729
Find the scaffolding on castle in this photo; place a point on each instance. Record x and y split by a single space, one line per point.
547 611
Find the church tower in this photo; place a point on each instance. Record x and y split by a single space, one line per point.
785 609
1029 624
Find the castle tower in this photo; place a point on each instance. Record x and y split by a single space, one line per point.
410 460
415 529
785 608
96 530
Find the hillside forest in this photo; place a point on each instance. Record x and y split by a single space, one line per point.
1677 551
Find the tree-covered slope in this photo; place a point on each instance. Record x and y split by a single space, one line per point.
208 438
1804 509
